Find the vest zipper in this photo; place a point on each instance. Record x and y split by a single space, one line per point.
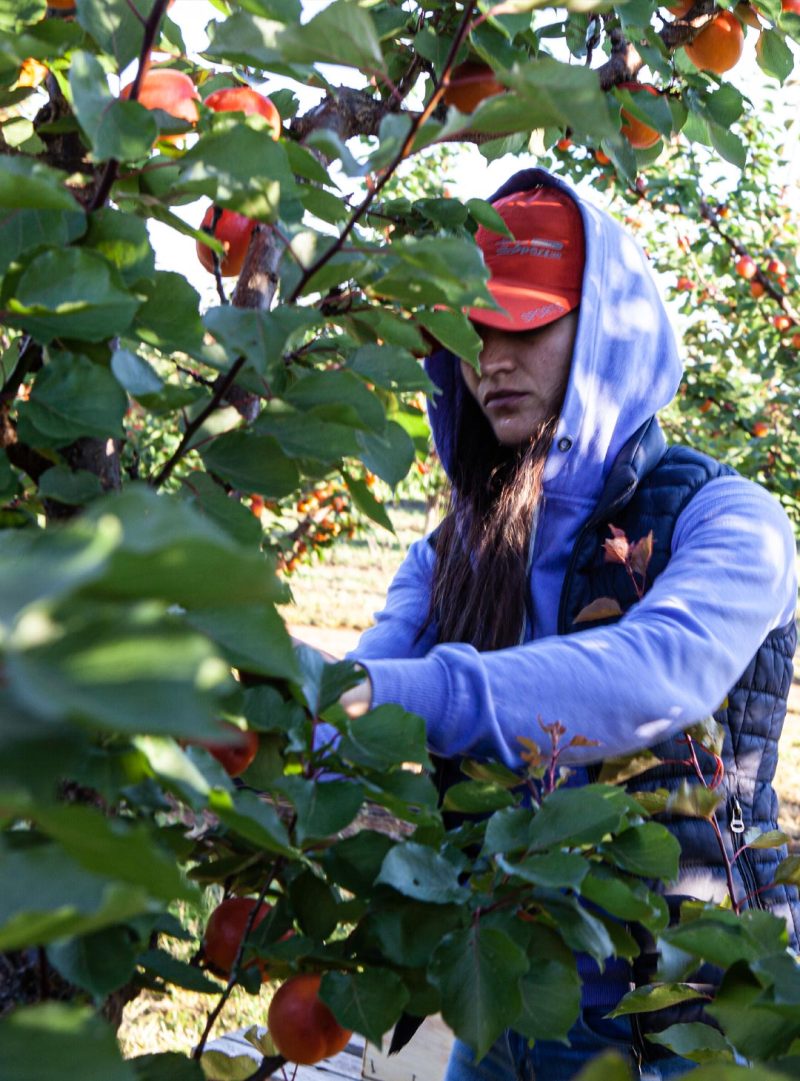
746 871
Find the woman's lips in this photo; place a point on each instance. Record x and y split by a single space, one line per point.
506 399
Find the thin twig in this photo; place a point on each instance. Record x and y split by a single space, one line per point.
404 151
151 27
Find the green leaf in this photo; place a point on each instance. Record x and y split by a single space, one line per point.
434 270
619 770
74 489
608 1066
788 871
37 1041
557 870
391 367
507 831
115 129
486 215
253 819
135 374
47 895
224 510
366 502
355 862
72 293
247 39
578 928
477 972
342 33
656 996
262 337
115 27
753 1024
254 463
625 899
773 55
551 999
728 144
169 319
579 816
223 1067
30 185
99 963
179 973
409 932
114 846
140 674
23 230
368 1002
124 241
648 849
169 1066
651 109
561 95
388 454
422 873
242 170
170 551
454 331
322 809
314 905
719 937
477 797
694 1040
253 637
73 398
385 737
768 839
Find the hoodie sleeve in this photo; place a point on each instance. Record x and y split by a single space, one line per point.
667 663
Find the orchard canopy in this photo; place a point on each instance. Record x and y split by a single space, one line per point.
166 462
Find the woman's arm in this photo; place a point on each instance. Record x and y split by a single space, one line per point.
669 661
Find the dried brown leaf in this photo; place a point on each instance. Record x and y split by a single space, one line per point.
641 554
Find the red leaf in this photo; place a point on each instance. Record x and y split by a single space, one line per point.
600 608
641 553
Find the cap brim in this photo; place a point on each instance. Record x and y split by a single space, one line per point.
524 308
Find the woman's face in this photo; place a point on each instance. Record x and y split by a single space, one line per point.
523 376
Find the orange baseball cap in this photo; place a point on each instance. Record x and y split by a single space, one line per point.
536 276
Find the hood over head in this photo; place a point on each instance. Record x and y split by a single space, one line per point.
625 364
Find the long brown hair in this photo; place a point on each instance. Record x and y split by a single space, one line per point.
480 580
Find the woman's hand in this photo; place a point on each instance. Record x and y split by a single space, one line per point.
357 700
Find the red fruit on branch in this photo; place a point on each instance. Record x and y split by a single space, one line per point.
243 99
233 231
470 83
640 135
234 756
225 931
719 45
302 1027
169 90
746 267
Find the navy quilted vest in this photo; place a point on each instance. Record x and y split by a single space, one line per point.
644 494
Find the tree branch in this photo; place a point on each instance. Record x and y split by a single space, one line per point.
403 152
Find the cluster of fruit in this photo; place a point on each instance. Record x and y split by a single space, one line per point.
302 1027
326 514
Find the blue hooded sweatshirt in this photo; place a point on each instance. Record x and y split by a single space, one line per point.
673 656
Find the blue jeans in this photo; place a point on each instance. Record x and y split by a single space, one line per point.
510 1058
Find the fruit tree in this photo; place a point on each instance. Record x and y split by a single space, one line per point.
166 461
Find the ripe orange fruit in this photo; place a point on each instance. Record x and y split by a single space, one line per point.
564 144
233 231
746 267
760 429
170 90
243 99
796 341
225 930
685 285
236 756
706 405
602 158
61 5
302 1027
640 135
756 289
792 6
470 83
781 322
683 7
719 45
775 266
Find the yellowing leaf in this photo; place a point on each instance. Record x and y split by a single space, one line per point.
600 608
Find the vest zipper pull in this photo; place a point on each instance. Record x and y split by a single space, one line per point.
737 822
